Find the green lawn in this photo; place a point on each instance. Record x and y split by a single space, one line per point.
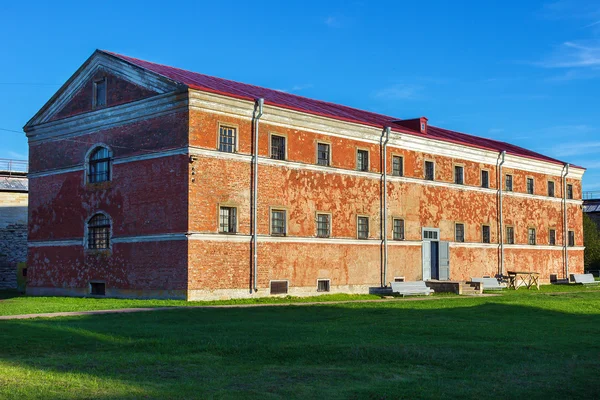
520 345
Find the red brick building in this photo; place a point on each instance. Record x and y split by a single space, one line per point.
144 182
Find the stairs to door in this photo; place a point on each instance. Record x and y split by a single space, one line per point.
470 288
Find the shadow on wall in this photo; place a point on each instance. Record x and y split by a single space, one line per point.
346 351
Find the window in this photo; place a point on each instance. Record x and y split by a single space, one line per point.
571 238
485 234
485 179
100 93
323 154
279 287
570 192
323 225
98 228
227 219
459 233
430 235
363 227
99 165
397 166
509 183
429 170
550 188
530 186
227 139
510 235
277 147
362 160
398 228
98 288
531 236
323 285
278 222
552 237
459 177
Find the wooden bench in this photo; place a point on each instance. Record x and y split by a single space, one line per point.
584 279
411 288
489 283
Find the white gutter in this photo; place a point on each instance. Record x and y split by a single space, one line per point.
258 112
501 211
566 225
386 134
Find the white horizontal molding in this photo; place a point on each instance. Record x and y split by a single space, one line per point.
241 238
541 198
286 118
149 238
538 247
109 117
55 243
476 245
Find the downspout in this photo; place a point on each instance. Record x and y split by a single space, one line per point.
386 133
501 211
566 225
258 112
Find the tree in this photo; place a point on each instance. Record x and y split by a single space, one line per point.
591 241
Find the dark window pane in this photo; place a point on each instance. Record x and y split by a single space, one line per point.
571 238
322 285
458 175
570 192
278 222
397 166
552 238
510 235
399 229
99 165
459 233
363 227
532 238
323 154
100 93
509 183
227 139
362 160
485 179
429 171
551 189
99 232
228 219
486 234
530 186
277 147
323 225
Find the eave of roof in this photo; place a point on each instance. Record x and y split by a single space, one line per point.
294 102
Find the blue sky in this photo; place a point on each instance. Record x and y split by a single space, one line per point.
526 72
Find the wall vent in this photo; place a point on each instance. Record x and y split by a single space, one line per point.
323 285
398 279
279 287
97 288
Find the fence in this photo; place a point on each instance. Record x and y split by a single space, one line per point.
591 195
17 167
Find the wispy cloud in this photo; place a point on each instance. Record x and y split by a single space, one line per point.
333 22
592 24
575 149
296 88
574 55
493 131
399 92
16 156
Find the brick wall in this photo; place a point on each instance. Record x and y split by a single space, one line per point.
13 236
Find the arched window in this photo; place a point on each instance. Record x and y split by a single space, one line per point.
98 229
99 165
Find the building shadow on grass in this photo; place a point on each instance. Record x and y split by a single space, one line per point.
373 350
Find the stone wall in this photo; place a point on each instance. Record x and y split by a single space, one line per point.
13 236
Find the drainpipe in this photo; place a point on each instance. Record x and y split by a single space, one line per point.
258 112
566 227
501 211
386 134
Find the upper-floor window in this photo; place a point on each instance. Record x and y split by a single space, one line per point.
398 228
509 183
459 233
397 166
570 192
99 93
227 139
552 237
98 230
485 234
277 147
485 179
362 160
323 153
362 228
429 170
278 223
510 235
530 186
551 188
571 238
532 237
323 225
459 175
99 165
227 219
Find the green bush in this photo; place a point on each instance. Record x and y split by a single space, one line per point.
591 240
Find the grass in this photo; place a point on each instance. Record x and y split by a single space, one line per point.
523 344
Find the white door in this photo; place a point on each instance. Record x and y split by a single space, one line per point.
426 260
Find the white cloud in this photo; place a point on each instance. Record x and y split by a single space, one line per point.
296 88
574 149
333 22
399 92
574 55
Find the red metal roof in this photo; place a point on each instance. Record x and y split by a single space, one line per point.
226 87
